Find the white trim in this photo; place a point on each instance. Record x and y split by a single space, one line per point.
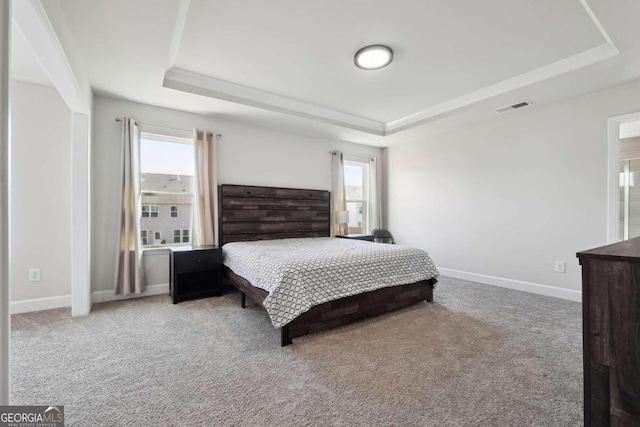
613 177
105 296
355 159
178 29
5 195
164 134
518 285
39 304
596 22
80 214
199 84
158 249
613 194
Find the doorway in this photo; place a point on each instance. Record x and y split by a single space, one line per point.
624 178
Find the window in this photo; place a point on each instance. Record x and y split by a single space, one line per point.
143 237
150 211
356 184
181 236
166 178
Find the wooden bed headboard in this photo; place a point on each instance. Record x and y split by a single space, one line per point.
248 212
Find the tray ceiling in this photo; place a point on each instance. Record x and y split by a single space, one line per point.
442 49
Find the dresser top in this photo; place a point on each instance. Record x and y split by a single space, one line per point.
629 250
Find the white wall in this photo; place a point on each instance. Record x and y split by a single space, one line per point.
40 183
510 197
247 155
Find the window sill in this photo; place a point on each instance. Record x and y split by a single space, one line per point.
158 250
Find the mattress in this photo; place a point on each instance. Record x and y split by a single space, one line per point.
301 273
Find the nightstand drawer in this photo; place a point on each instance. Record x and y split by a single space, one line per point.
197 261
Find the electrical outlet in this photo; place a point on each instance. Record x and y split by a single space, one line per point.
34 274
560 267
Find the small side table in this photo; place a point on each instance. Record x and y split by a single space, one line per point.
361 236
195 272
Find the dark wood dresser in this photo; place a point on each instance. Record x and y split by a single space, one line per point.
611 328
195 272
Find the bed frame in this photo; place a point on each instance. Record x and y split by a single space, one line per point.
248 213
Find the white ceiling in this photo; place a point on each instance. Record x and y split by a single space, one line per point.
288 65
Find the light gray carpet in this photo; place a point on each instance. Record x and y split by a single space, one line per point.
478 356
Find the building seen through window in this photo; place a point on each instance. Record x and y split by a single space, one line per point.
166 177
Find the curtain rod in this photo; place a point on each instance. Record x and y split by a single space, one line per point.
118 119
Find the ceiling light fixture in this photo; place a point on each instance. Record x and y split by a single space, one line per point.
373 57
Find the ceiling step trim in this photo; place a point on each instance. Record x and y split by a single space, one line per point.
199 84
558 68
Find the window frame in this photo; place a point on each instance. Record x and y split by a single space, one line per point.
365 164
160 136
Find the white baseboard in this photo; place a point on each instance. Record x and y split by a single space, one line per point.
39 304
534 288
105 296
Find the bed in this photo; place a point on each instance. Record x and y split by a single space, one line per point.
277 252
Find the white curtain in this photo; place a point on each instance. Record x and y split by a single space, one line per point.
129 269
338 195
205 203
375 199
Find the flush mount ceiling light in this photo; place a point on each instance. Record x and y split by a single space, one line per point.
373 57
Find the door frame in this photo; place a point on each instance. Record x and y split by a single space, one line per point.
613 170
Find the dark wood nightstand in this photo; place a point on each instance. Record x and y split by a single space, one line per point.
367 237
195 272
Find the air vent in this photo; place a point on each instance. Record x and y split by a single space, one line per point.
513 107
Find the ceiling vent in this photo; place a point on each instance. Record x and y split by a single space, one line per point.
513 107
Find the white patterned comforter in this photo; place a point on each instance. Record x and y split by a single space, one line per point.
302 273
